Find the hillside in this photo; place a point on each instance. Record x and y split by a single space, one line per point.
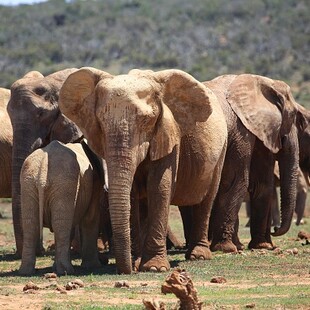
206 38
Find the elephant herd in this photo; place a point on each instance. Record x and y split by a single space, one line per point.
163 138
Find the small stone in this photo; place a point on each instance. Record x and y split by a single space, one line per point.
71 286
61 289
218 279
30 286
50 276
120 284
277 251
78 282
252 305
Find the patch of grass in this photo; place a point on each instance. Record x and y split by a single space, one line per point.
266 279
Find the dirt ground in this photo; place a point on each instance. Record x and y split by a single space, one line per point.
99 292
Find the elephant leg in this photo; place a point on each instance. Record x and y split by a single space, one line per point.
62 232
275 212
62 214
89 234
224 216
302 191
187 220
300 205
160 187
262 189
138 219
199 244
30 222
198 247
235 238
172 240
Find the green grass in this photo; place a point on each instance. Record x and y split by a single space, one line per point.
264 279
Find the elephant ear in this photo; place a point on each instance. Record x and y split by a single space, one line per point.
303 118
65 130
264 106
184 101
77 101
188 99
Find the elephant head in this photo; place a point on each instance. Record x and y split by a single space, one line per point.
36 120
127 119
267 108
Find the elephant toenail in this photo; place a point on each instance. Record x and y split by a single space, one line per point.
163 269
153 269
201 257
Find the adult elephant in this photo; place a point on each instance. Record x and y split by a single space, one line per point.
36 120
6 143
163 127
264 122
264 125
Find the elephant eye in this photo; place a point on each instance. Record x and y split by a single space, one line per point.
40 91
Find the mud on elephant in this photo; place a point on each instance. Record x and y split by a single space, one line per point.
36 120
61 188
166 128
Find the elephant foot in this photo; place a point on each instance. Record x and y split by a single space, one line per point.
199 253
225 246
63 268
26 270
261 245
93 264
155 264
240 246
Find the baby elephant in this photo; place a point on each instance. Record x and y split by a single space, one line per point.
60 189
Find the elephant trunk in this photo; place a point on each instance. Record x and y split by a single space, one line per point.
288 164
121 174
22 147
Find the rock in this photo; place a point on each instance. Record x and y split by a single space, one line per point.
30 286
252 305
181 285
50 276
79 282
153 304
218 279
120 284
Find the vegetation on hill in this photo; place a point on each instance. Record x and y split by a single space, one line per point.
206 38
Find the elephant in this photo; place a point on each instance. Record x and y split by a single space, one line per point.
60 189
36 120
264 125
6 144
164 128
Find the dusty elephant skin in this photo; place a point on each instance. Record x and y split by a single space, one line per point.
36 120
164 128
6 144
264 123
59 190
